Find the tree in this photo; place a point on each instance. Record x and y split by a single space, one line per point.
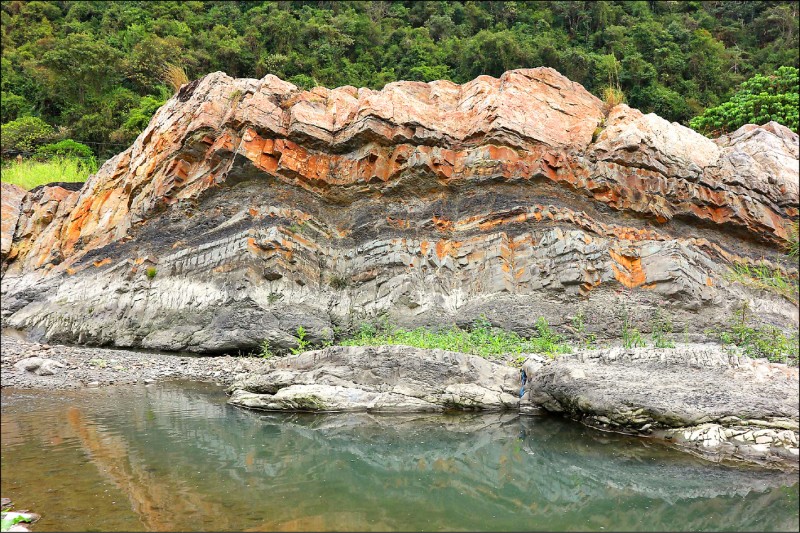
758 101
24 134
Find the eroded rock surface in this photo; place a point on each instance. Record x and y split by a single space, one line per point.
379 379
248 208
713 402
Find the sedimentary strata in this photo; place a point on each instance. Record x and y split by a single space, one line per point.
248 208
379 379
718 404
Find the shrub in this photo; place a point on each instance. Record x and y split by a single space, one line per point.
65 148
793 241
13 106
303 81
25 133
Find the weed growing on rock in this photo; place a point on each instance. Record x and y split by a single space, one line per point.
151 272
631 338
759 341
338 282
274 297
793 245
302 343
481 339
662 327
266 351
765 278
586 340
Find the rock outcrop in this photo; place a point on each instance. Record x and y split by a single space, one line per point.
701 397
248 208
379 379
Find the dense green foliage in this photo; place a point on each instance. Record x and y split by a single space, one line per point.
98 70
758 101
65 148
25 133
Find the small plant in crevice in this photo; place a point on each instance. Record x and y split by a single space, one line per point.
302 343
631 338
759 341
274 297
266 351
661 329
793 238
585 340
338 282
151 272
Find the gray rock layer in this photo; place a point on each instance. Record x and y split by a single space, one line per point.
382 378
717 403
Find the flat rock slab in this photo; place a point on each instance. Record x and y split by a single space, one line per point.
380 378
696 395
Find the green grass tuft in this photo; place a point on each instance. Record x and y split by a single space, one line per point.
29 173
764 278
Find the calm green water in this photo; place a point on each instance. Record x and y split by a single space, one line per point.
176 457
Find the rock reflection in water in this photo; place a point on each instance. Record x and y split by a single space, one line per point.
185 460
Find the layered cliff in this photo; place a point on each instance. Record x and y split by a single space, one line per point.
249 207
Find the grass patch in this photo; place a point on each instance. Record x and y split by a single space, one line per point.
793 240
764 278
30 173
481 339
759 341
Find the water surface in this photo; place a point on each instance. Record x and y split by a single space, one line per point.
176 457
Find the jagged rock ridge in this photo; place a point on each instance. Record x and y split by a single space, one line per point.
249 207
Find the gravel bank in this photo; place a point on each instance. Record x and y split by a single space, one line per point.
97 367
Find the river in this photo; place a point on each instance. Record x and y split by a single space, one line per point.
175 456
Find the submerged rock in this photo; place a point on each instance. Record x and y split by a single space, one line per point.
702 397
377 379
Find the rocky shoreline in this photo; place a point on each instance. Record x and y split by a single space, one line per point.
97 367
715 404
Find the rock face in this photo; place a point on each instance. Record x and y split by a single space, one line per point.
379 379
249 207
698 396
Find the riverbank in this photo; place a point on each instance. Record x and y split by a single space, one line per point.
97 367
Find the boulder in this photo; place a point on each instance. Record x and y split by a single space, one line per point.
379 379
703 397
40 366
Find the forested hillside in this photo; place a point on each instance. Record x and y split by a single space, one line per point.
96 71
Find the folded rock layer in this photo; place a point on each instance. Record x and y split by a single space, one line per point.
248 208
